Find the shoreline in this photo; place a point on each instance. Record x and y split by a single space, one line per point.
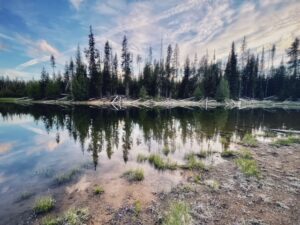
166 103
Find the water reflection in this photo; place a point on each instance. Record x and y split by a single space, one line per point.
100 129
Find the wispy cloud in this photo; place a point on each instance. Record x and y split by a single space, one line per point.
76 3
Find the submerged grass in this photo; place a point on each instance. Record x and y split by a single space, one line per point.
178 214
44 204
141 158
159 163
71 217
25 195
134 175
249 140
67 177
286 141
247 164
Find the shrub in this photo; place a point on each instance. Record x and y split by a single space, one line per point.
134 175
44 204
178 214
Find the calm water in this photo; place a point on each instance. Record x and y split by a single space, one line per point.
39 143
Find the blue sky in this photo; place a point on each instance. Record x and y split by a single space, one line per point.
30 31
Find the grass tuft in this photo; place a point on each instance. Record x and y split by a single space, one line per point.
44 204
213 184
141 158
249 140
193 163
134 175
71 217
159 163
98 190
286 141
228 153
247 164
137 207
178 214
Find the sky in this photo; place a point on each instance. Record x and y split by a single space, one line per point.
31 31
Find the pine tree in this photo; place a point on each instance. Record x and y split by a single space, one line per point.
92 55
115 75
232 74
294 55
222 92
107 76
80 85
184 87
126 65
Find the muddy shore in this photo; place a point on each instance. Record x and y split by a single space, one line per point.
272 198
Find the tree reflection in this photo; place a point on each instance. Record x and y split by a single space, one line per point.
98 128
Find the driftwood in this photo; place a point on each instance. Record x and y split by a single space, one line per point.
286 131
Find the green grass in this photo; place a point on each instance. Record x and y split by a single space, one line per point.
286 141
44 204
66 177
228 153
247 164
192 163
137 207
98 190
159 163
141 158
134 175
71 217
178 214
249 140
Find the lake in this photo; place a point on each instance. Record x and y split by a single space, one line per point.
58 150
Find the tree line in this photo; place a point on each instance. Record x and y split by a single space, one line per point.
246 75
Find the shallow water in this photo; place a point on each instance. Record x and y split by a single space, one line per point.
39 143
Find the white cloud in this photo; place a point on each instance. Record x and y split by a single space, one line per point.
76 3
16 74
